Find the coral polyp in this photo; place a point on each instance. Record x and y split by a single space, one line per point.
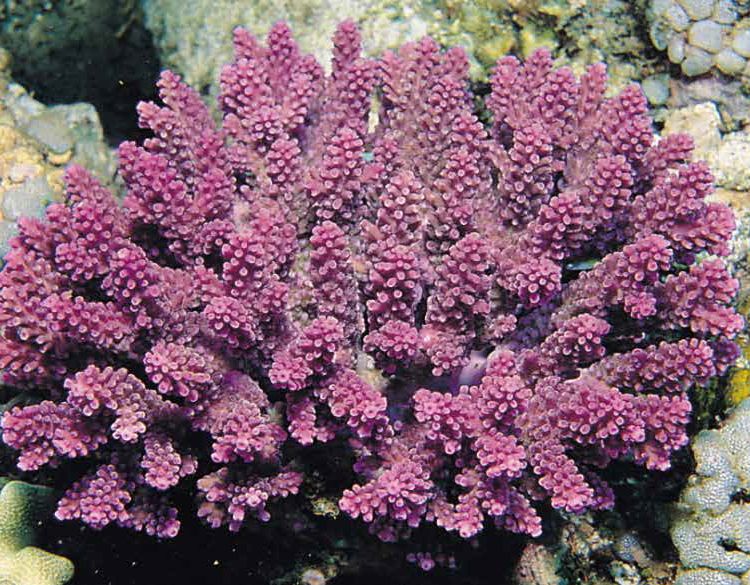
482 315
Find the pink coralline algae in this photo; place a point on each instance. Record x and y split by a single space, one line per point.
483 314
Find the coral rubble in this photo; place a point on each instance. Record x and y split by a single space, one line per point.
482 317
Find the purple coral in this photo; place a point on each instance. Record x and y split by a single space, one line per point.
483 315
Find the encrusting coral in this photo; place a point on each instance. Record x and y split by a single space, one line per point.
22 506
711 528
529 294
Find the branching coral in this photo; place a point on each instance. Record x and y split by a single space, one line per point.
216 324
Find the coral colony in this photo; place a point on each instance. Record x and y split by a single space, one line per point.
484 316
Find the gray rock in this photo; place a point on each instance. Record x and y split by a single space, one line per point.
677 18
661 35
91 150
696 62
725 12
698 9
730 162
730 62
717 30
676 49
656 89
8 229
706 35
28 199
707 577
51 130
741 42
727 95
709 515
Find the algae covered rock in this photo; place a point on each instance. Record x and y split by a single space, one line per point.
22 506
595 549
711 529
81 50
727 153
194 38
703 35
538 565
36 143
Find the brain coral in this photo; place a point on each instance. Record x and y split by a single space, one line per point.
22 506
484 316
711 530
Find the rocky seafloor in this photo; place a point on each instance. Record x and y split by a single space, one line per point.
686 526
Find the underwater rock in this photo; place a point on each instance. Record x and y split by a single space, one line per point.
29 198
739 381
22 506
593 550
196 39
82 50
51 131
711 529
313 577
701 122
538 565
727 154
609 31
656 89
727 94
701 35
193 39
36 143
730 163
